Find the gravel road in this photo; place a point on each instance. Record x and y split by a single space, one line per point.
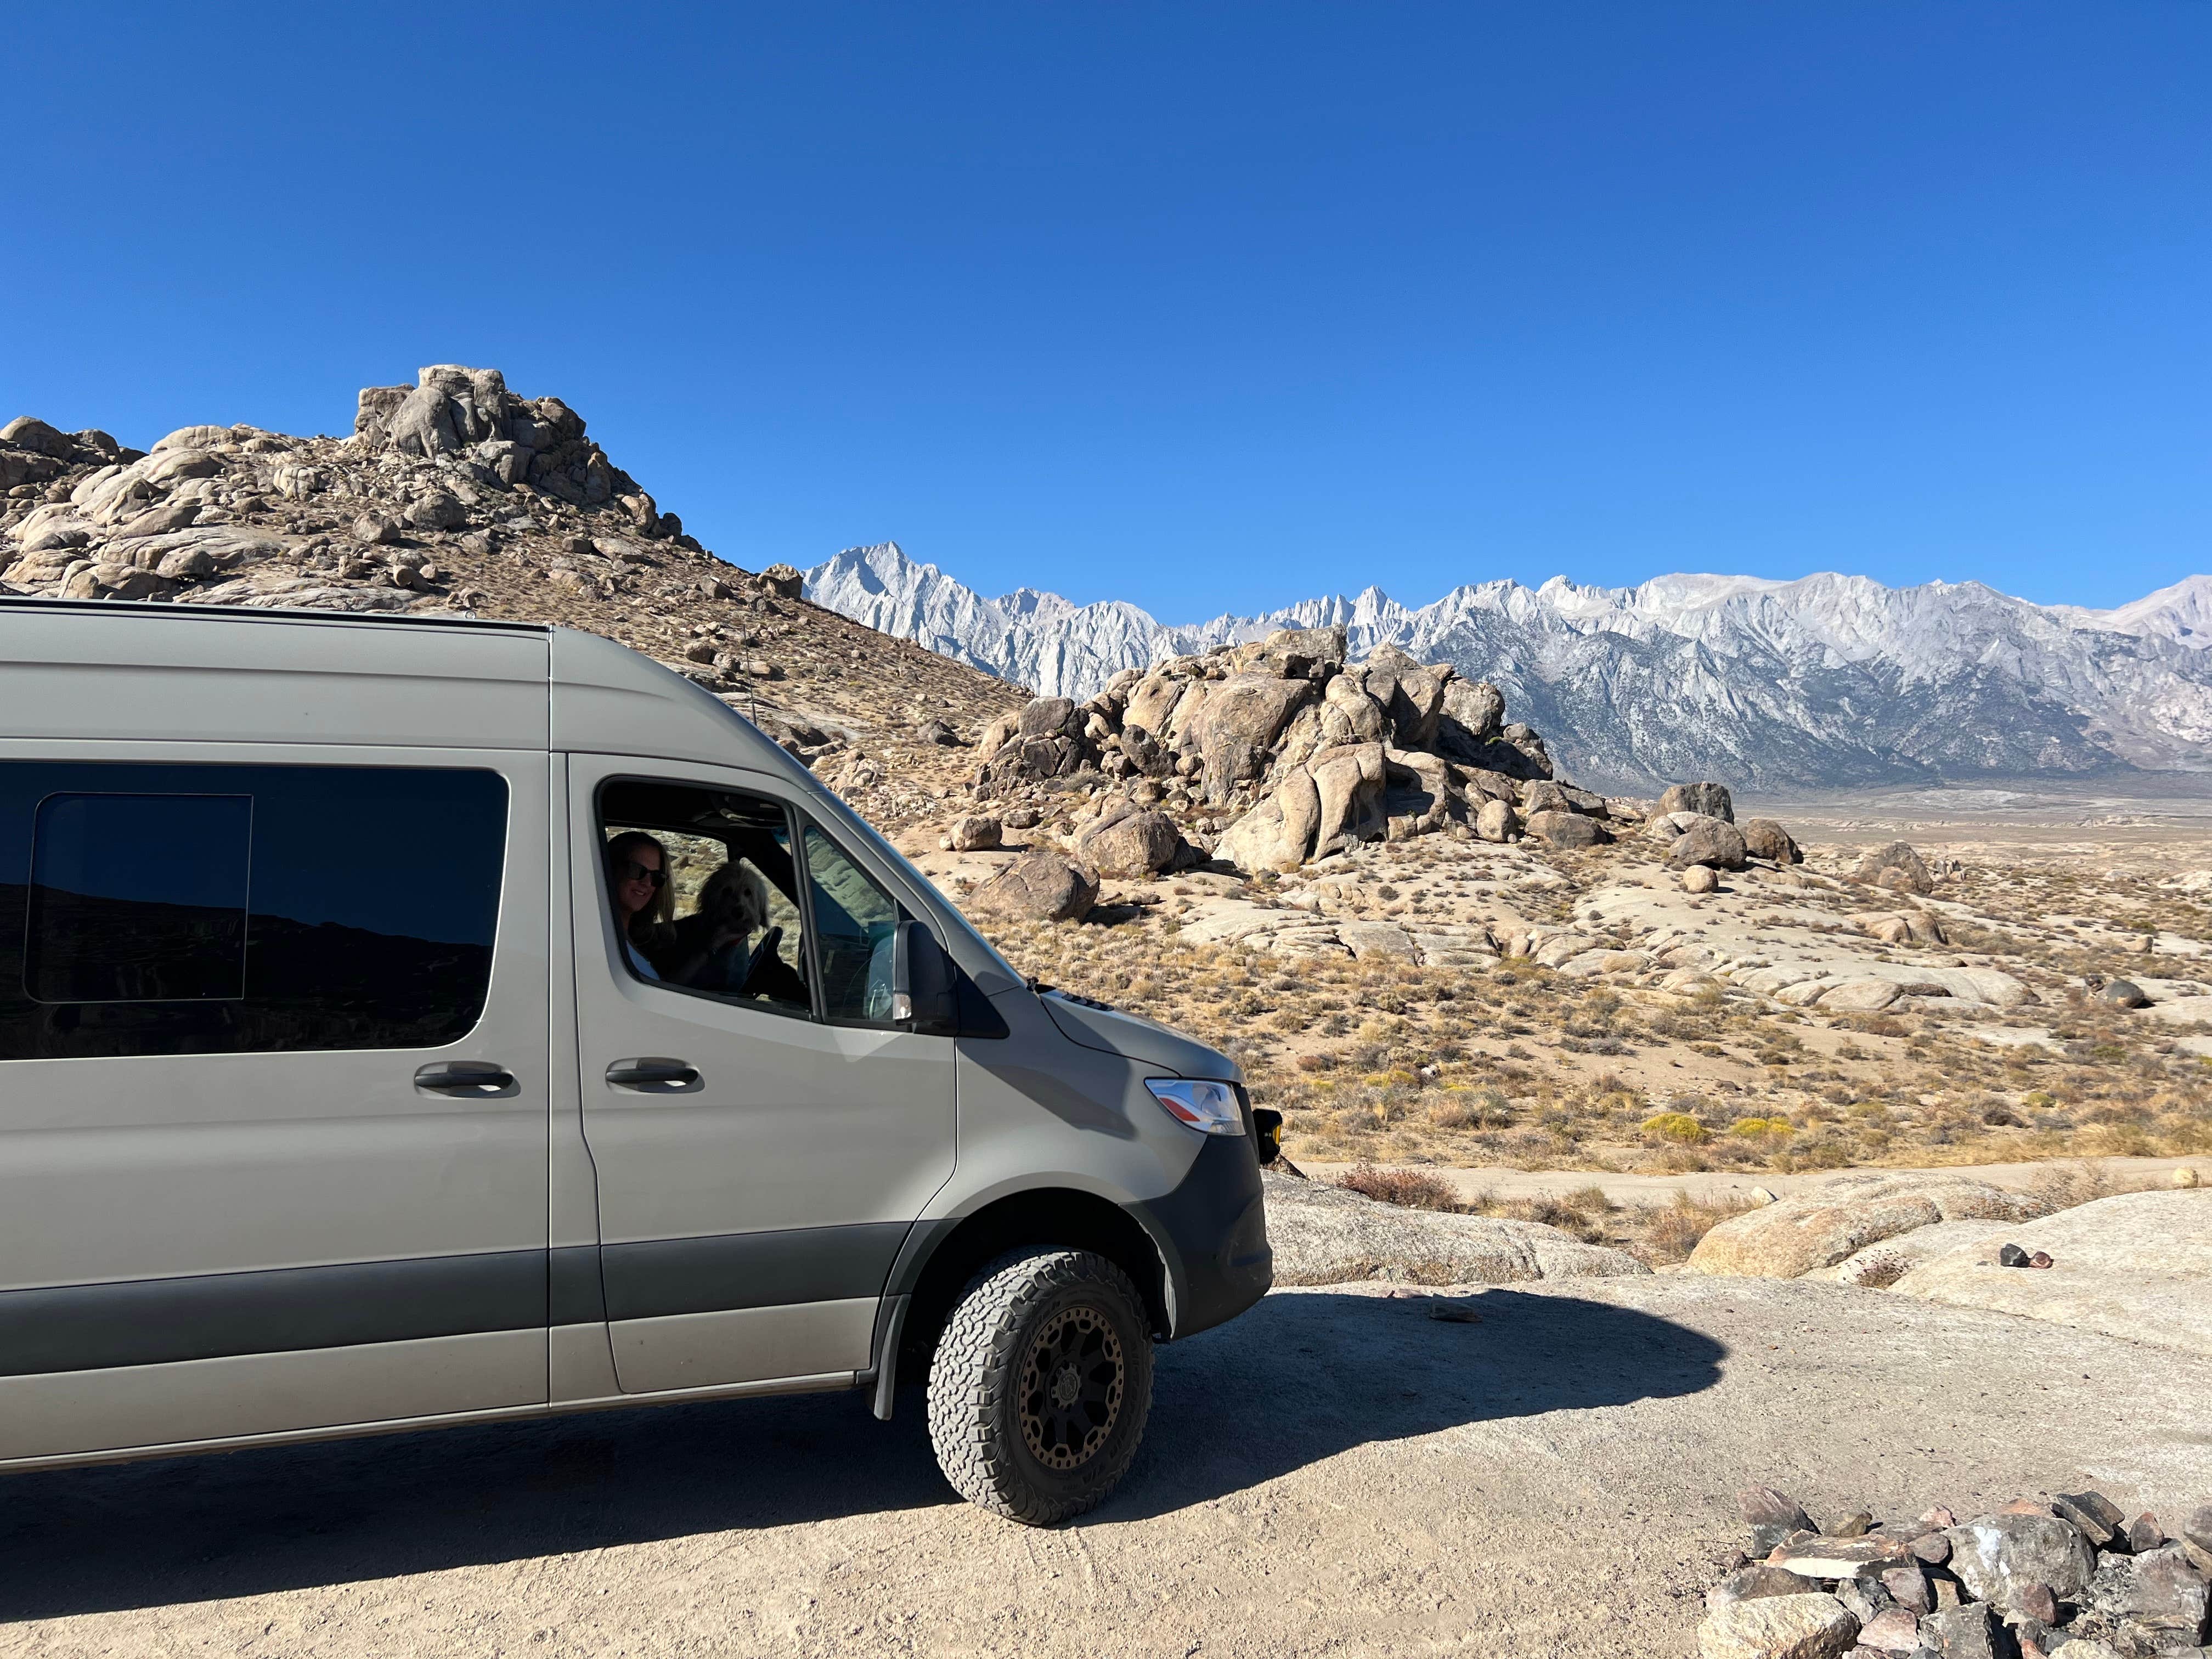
1335 1473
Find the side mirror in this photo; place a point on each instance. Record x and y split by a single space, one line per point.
1268 1129
925 985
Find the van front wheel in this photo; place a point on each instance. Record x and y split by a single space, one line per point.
1040 1385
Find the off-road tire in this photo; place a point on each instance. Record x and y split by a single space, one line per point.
1075 1309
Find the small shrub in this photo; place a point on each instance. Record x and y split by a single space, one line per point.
1678 1127
1820 1155
1409 1188
1882 1270
1453 1112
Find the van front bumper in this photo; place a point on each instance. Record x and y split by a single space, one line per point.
1212 1233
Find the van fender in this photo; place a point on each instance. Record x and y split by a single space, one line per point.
940 1254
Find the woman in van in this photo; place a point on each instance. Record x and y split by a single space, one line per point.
708 951
637 882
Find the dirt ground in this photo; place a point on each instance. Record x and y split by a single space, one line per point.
2144 823
1708 1186
1335 1473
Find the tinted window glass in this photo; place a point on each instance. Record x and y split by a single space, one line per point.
137 898
723 917
854 922
221 909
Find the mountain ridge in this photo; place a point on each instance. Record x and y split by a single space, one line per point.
1823 680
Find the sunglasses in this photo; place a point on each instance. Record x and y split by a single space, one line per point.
631 869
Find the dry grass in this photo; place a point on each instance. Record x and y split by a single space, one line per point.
1380 1062
1587 1213
1669 1232
2081 1180
1656 1234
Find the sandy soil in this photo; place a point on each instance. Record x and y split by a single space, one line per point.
2149 823
1333 1474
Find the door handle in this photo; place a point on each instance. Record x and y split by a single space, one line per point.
654 1076
465 1080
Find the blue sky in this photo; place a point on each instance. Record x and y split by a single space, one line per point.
1205 307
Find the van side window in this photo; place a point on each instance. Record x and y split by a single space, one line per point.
854 921
161 909
704 892
137 898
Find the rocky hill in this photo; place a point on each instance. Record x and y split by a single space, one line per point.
456 495
1828 681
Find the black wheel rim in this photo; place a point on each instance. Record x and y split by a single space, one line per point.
1070 1387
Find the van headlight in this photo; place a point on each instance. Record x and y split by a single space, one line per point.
1209 1107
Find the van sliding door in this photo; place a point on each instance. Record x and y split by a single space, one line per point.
272 1089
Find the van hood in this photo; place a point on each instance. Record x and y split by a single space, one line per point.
1093 1025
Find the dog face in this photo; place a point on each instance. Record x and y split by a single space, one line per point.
735 898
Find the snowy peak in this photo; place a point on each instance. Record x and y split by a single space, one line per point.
1824 680
2182 613
1029 637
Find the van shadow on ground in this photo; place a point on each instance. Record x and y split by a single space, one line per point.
1297 1380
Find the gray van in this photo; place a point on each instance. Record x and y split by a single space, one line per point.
408 1023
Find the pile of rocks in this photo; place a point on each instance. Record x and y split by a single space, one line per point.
2067 1576
1279 752
1695 824
468 414
33 455
232 515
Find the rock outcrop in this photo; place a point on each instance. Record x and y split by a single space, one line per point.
1324 1234
217 514
1897 868
1040 886
1842 1217
1763 838
1297 753
2138 1264
469 413
1130 842
1712 842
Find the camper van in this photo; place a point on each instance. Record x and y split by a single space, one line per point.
411 1022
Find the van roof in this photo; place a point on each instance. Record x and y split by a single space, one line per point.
270 614
107 670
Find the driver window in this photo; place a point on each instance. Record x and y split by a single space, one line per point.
855 924
705 892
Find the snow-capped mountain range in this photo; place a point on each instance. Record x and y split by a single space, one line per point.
1822 682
